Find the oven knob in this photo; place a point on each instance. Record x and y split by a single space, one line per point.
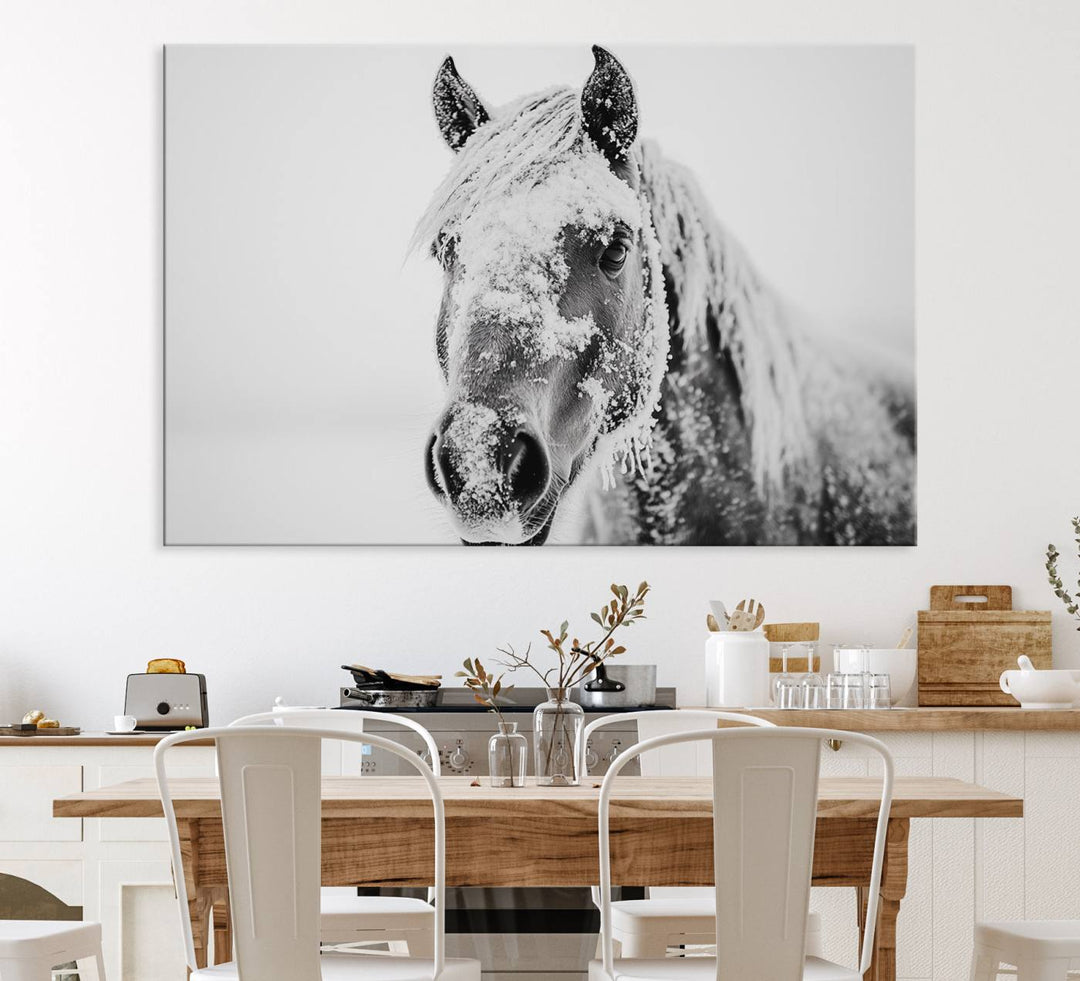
162 708
458 758
591 757
614 752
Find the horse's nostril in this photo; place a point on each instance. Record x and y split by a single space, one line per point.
527 470
435 480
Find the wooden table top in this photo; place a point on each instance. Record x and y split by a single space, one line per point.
635 797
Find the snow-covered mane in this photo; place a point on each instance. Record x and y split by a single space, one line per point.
716 290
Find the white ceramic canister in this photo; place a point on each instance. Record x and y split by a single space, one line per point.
737 669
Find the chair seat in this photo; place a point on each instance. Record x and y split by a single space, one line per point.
704 969
46 938
367 967
376 912
694 915
1031 939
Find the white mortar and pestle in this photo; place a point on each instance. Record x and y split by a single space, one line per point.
1035 689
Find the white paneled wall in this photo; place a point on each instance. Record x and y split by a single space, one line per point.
961 869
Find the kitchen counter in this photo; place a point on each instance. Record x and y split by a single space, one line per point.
88 739
923 719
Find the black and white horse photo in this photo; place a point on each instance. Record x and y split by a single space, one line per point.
604 337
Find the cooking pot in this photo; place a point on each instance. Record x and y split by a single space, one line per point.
619 686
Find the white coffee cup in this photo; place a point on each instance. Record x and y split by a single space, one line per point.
124 723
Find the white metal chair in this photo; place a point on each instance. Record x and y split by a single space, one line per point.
30 949
765 790
678 916
1041 950
346 917
271 809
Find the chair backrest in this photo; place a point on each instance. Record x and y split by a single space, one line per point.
671 761
347 720
271 809
765 791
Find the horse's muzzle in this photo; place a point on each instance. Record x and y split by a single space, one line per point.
491 474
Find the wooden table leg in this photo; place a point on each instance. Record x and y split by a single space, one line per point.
222 921
200 900
893 889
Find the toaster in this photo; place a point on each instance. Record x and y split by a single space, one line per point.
166 702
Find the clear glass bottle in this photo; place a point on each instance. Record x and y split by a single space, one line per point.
508 755
557 725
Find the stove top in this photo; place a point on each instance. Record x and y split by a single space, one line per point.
518 700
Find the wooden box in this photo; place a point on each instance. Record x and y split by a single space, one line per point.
968 637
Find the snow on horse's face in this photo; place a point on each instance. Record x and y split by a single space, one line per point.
544 334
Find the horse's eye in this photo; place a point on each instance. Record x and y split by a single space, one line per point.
614 257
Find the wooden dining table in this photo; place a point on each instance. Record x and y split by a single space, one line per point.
377 831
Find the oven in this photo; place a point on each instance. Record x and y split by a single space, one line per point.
517 934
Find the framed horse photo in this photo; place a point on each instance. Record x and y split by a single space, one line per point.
539 295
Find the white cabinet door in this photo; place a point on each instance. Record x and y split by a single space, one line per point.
26 803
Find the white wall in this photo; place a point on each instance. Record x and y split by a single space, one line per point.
87 593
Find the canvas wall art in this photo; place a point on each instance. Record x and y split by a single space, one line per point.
539 295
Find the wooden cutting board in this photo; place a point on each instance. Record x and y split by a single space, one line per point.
968 637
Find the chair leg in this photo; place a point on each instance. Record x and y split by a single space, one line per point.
84 962
1051 970
421 944
25 970
648 944
984 965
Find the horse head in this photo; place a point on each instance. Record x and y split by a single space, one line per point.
552 334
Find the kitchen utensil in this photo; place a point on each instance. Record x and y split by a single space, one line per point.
124 723
747 617
364 675
905 639
737 669
719 611
1042 689
167 702
787 633
369 697
968 637
618 686
901 665
713 624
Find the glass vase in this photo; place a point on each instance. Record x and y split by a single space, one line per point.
557 725
508 754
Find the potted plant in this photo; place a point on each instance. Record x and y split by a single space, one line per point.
1072 603
557 723
508 750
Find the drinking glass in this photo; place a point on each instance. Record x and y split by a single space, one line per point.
834 690
879 693
784 678
788 692
853 691
813 691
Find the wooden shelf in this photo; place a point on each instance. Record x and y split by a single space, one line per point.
923 719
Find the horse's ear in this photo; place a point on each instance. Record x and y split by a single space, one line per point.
609 107
458 109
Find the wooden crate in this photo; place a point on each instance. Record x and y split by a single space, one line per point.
964 646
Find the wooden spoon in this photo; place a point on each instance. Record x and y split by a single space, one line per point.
748 617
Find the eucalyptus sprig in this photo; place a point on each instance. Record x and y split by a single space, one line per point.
1072 603
486 688
575 659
